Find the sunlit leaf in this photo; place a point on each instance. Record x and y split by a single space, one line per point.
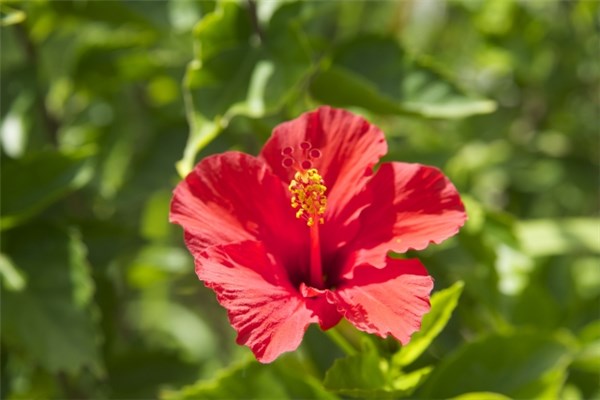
545 237
376 73
240 71
586 277
357 375
513 268
30 381
284 379
367 375
443 304
11 16
154 225
156 263
12 278
588 356
15 125
405 383
481 396
166 323
219 76
288 50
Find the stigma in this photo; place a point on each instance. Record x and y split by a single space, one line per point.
308 196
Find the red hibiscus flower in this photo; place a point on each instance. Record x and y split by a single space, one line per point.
301 233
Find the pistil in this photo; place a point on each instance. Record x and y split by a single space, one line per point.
309 199
316 269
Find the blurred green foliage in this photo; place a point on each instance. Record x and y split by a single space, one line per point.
106 104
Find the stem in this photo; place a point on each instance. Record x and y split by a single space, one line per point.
254 21
316 269
69 390
339 339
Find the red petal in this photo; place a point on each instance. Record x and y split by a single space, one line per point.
349 148
317 300
391 300
233 197
269 315
413 205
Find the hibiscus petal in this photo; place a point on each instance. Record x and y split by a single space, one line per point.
349 148
317 300
413 205
269 315
391 300
233 197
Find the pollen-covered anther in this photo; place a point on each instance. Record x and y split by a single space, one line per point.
308 196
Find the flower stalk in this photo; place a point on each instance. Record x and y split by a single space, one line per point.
344 344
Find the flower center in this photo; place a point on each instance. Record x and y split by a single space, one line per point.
308 196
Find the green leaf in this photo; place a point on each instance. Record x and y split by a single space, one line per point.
284 379
513 269
586 277
535 306
154 225
375 73
481 396
443 304
546 237
169 324
33 182
287 49
404 384
367 375
341 87
157 315
12 278
219 76
520 365
221 73
357 374
16 124
588 356
29 381
10 16
236 73
52 320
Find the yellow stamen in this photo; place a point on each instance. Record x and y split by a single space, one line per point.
308 195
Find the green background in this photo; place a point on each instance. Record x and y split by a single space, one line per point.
105 105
